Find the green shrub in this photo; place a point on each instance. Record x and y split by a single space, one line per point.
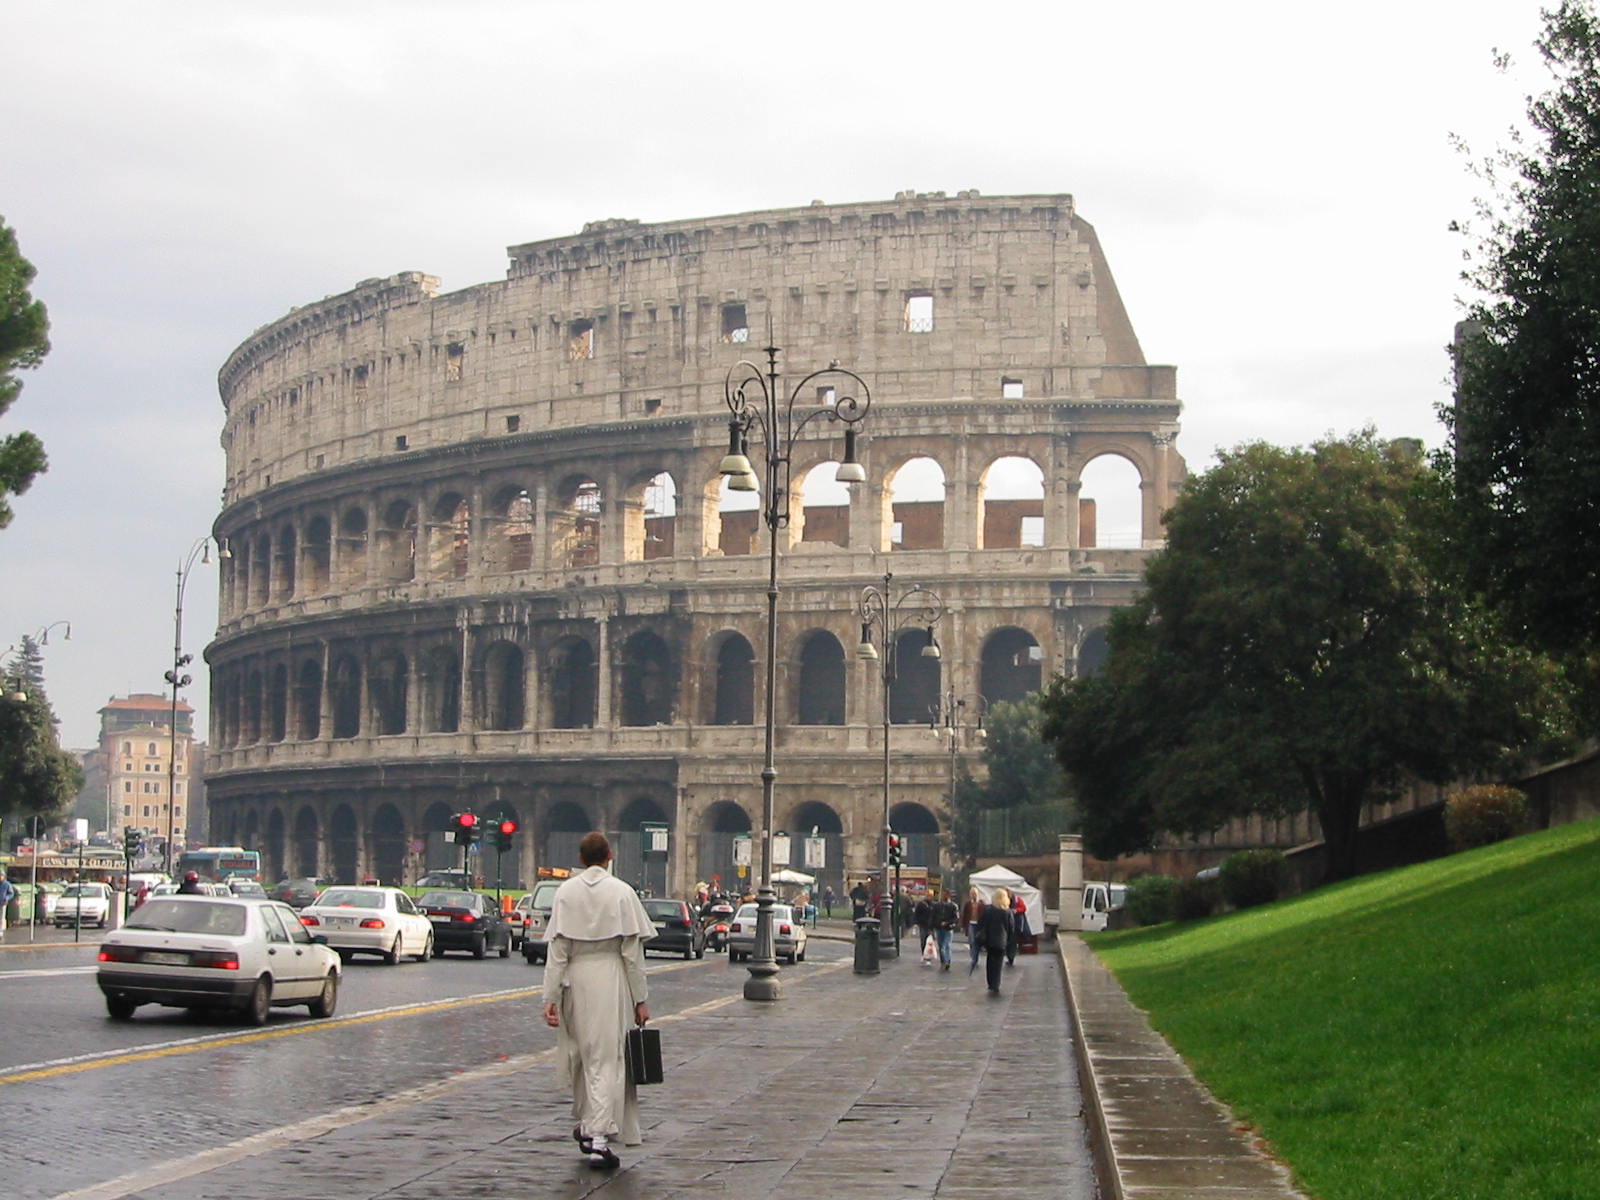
1196 898
1253 877
1487 813
1150 899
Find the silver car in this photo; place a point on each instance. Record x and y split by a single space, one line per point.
788 934
370 920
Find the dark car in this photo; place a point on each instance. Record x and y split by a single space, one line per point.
465 921
677 931
296 893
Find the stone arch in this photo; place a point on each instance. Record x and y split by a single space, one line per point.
647 681
283 565
441 690
1011 665
734 518
344 694
919 833
318 555
509 545
352 548
814 818
274 859
721 825
307 843
249 827
308 700
1011 504
1093 651
575 522
650 517
386 839
344 843
251 715
388 686
1111 503
824 506
914 694
502 685
260 570
733 687
628 844
449 539
278 703
573 684
563 825
914 493
819 699
397 543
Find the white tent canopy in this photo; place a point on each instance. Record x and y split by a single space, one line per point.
990 878
786 875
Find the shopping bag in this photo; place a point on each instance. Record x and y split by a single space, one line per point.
644 1055
930 950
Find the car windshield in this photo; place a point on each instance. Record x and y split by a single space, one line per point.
663 909
189 916
350 898
544 894
86 889
248 889
448 900
747 912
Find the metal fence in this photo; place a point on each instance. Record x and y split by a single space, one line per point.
1033 829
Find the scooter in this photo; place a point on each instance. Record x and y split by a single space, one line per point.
716 923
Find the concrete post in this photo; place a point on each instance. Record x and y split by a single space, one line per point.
1069 900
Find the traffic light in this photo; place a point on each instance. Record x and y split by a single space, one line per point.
503 831
132 842
894 849
464 828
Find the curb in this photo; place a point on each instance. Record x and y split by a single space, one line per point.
1156 1132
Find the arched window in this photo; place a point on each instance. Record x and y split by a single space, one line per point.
504 687
283 567
1012 665
308 699
733 696
318 555
572 685
344 690
1011 504
449 537
738 522
914 694
915 495
575 525
647 681
387 686
820 700
510 545
278 704
824 506
1110 504
353 548
650 517
1092 652
397 543
441 691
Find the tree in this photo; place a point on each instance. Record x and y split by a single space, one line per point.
1527 409
1298 647
24 341
37 777
1020 771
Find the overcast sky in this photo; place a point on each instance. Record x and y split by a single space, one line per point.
1272 183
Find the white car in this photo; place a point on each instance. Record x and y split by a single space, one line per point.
788 934
370 920
530 919
84 904
204 952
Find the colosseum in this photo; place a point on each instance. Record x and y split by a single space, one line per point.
483 556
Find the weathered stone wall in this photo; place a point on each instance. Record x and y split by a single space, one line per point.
482 556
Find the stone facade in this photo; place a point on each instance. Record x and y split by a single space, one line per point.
482 556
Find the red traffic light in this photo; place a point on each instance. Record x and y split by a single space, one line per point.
468 820
508 827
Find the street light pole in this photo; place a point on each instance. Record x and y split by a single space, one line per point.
946 720
881 611
759 407
178 679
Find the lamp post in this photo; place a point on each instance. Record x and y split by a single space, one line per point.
946 721
758 406
883 612
178 679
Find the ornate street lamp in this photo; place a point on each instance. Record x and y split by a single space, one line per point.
881 611
761 410
178 679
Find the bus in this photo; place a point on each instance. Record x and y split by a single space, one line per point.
221 863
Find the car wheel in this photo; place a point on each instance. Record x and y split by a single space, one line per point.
328 999
344 955
436 950
801 956
480 947
120 1008
505 948
688 952
259 1004
700 953
391 956
790 958
427 947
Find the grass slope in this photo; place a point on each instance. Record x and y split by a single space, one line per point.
1431 1032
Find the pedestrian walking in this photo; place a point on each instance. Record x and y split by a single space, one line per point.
944 915
8 893
858 901
594 985
994 930
1019 928
921 916
969 922
828 899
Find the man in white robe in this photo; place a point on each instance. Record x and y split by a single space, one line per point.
594 985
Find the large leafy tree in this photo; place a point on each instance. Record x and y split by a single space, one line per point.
1527 411
1020 770
1299 646
24 341
37 777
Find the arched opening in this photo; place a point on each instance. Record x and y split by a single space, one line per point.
252 708
915 495
278 704
250 835
1012 665
449 537
441 691
344 693
565 823
820 697
1011 504
504 687
439 852
724 824
636 858
352 548
1111 504
397 543
307 842
343 844
649 513
914 693
236 571
738 521
510 545
283 568
919 834
572 685
647 683
824 506
734 689
318 555
260 571
575 524
387 686
308 700
1093 652
274 862
817 847
387 845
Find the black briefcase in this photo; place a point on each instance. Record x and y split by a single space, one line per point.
644 1055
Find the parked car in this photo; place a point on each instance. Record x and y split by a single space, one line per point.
204 952
370 920
296 893
465 921
530 919
84 904
788 934
677 931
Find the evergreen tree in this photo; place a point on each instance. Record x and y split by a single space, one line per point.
24 341
37 777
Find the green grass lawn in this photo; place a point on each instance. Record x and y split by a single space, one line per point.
1431 1032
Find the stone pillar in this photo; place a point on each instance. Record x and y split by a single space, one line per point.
867 530
602 672
1069 899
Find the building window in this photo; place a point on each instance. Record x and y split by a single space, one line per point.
127 785
454 355
361 379
652 405
580 340
127 810
400 442
827 397
147 810
1032 531
919 312
152 749
513 424
177 810
177 789
735 326
1011 389
127 747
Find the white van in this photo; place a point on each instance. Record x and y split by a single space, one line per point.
1100 900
